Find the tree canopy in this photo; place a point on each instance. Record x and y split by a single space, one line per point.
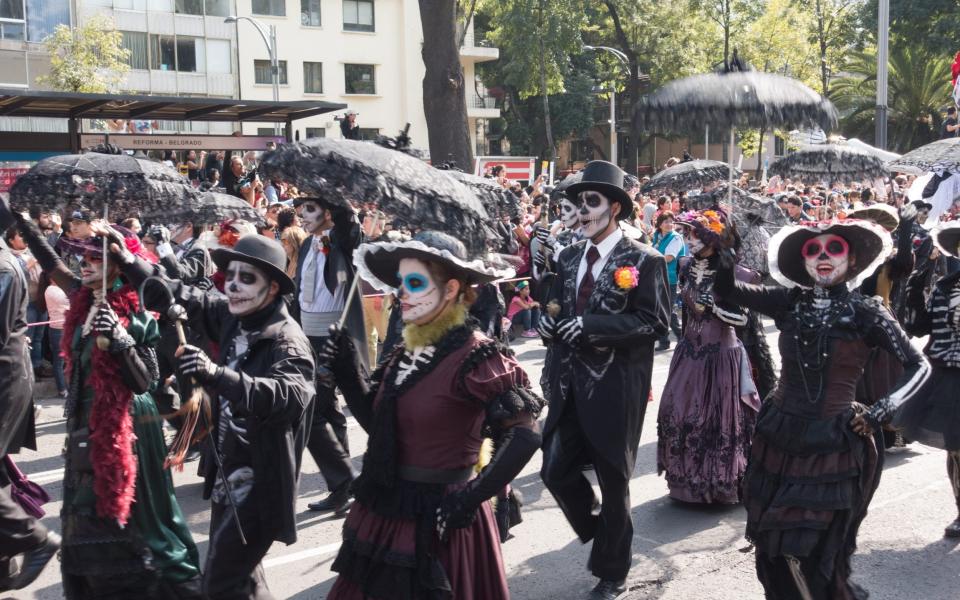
89 58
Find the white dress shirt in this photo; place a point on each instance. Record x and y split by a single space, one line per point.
604 248
323 300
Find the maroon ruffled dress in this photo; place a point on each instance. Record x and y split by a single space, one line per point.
390 547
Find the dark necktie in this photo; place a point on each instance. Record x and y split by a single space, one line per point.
586 284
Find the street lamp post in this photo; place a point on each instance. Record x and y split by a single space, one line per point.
269 36
883 39
613 98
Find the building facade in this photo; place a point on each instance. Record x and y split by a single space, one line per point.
365 53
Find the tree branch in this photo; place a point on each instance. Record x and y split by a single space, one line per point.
466 23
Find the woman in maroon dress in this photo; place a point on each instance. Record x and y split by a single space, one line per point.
422 526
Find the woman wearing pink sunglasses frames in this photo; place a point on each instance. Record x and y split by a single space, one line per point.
815 458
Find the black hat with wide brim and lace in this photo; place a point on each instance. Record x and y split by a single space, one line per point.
946 237
378 263
870 244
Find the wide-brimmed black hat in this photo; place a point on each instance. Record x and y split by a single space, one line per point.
606 178
946 237
870 244
260 251
378 263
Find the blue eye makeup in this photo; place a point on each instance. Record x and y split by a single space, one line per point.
415 282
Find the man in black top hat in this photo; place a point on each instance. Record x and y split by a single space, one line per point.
324 275
263 385
605 311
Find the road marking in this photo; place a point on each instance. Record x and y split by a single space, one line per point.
46 476
302 555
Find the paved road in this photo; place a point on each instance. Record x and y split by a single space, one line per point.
679 552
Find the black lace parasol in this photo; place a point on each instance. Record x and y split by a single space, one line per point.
347 172
689 175
207 209
99 179
829 163
940 155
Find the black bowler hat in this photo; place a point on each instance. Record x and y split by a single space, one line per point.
260 251
607 179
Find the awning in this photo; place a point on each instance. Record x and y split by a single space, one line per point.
63 105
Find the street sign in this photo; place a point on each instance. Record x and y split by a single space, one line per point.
182 142
8 175
517 168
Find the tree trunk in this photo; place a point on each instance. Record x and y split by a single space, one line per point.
547 120
822 38
759 173
444 96
726 32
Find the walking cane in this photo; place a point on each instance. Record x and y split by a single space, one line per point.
178 315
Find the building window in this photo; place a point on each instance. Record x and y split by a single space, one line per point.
313 77
310 13
218 56
358 15
262 74
581 151
136 43
190 58
779 146
163 53
43 16
315 132
275 8
13 25
368 134
189 7
211 8
266 131
360 79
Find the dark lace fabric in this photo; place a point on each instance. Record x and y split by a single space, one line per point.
810 477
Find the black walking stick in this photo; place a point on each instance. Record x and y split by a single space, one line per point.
196 410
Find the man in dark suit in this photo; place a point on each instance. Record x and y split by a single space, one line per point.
607 306
324 276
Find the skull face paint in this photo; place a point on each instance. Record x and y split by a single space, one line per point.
247 288
91 271
569 215
313 217
694 245
827 259
595 214
420 296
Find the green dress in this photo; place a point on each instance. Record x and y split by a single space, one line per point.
100 559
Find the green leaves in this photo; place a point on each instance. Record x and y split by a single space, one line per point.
89 59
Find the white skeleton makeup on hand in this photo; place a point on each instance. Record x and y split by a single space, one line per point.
421 298
314 218
248 288
827 259
596 213
569 215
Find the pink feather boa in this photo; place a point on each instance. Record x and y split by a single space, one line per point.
111 424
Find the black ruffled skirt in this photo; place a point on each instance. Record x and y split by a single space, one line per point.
932 416
806 490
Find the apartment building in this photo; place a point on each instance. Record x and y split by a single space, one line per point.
365 53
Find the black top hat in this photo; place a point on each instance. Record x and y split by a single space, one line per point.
378 263
606 178
260 251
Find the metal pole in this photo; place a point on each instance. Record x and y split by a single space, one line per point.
275 67
706 144
883 39
613 126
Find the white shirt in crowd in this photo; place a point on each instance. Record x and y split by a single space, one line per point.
57 305
674 247
323 300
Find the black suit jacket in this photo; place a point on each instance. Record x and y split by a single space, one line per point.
608 375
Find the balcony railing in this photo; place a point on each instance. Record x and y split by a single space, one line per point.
485 102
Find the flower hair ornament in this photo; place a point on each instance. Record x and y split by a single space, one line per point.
711 226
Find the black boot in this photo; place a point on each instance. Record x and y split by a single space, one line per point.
607 589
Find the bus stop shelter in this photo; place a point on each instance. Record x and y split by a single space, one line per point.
74 107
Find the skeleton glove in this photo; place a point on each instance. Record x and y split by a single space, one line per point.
570 331
107 324
195 362
547 327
